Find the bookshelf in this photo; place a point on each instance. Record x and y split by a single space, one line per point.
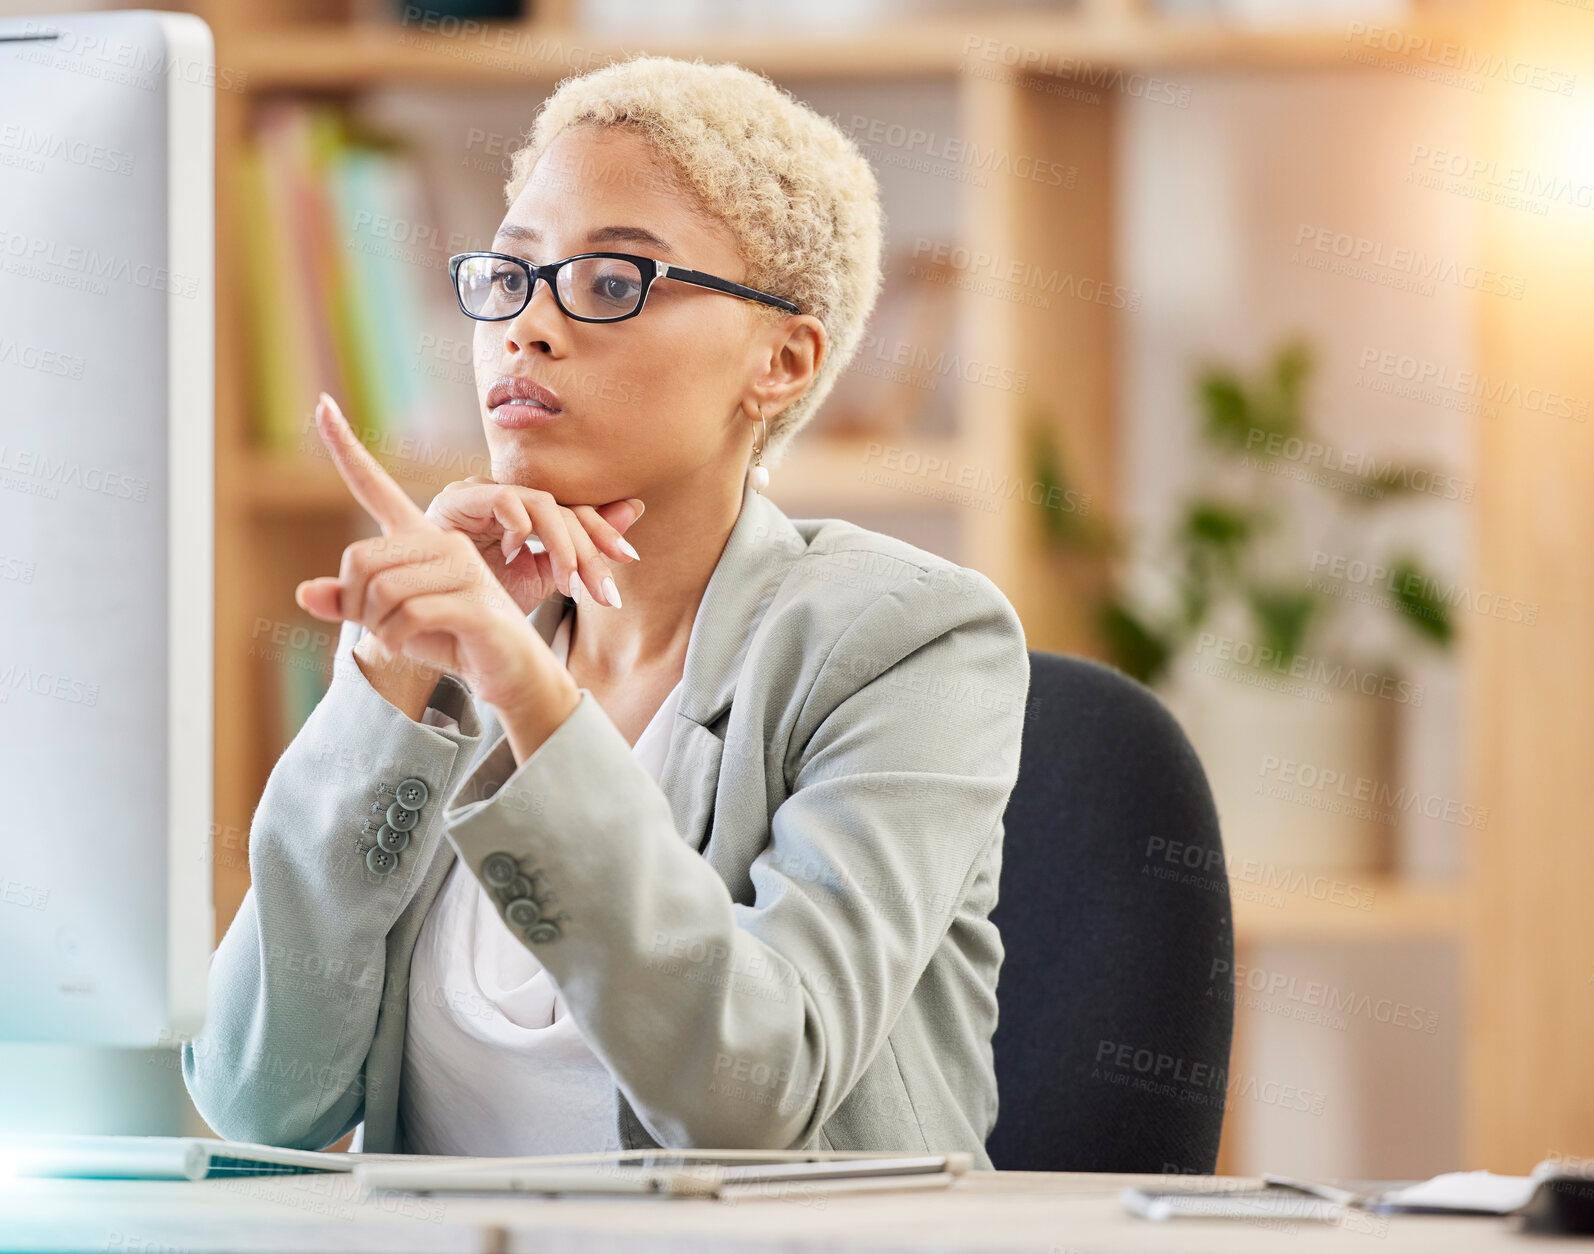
282 520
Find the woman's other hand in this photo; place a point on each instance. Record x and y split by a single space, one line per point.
576 540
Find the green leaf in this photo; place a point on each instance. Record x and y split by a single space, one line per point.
1227 409
1240 416
1292 366
1217 524
1132 646
1283 617
1212 540
1418 602
1065 525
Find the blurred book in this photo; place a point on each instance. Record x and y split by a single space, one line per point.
334 278
303 677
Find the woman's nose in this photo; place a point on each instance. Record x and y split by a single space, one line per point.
541 321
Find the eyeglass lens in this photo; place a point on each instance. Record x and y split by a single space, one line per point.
593 287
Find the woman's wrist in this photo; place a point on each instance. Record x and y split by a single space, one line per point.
402 681
541 703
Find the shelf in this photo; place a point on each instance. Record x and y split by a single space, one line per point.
1398 910
819 473
280 485
311 57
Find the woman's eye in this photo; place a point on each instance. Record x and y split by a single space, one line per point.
616 287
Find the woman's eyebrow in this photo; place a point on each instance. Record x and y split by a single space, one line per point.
603 235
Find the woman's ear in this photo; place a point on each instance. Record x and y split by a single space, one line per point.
795 362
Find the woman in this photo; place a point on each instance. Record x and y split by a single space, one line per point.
686 841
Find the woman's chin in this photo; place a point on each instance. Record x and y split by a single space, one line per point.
544 473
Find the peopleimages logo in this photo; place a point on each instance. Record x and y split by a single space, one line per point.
1040 64
1304 781
1373 475
1202 866
1358 250
1284 986
73 265
992 273
1411 586
1443 54
955 150
1163 1074
1307 669
1474 384
1484 178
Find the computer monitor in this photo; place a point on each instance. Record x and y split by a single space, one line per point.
107 157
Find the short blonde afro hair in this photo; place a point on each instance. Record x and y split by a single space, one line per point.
799 198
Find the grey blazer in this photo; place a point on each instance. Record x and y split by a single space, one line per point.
785 942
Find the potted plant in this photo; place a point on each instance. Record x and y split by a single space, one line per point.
1295 721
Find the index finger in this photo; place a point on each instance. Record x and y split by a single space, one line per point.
372 486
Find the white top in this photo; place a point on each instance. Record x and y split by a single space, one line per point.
493 1063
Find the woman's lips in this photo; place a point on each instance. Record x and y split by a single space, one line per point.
515 414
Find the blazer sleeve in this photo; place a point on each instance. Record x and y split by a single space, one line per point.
908 752
296 982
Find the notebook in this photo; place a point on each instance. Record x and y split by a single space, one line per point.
167 1157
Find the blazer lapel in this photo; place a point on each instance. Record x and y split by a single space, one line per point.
760 550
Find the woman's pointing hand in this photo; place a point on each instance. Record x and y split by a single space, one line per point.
422 591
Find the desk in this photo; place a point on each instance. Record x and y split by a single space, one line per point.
985 1211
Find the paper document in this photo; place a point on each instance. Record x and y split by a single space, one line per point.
1461 1191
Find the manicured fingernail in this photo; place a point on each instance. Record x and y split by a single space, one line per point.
626 545
332 408
610 593
575 587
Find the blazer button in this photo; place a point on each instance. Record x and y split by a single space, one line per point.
523 912
412 793
499 869
537 933
392 839
520 886
401 818
380 860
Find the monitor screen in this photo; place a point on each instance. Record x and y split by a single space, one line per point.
106 506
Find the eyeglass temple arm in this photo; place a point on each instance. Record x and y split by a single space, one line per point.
721 285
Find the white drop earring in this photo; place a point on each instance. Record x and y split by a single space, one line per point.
758 475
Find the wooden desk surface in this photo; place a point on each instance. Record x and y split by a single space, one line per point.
984 1211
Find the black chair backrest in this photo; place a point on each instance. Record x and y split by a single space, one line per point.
1115 1003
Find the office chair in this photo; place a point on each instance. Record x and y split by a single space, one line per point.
1115 1004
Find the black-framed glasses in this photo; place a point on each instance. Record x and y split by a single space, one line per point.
589 287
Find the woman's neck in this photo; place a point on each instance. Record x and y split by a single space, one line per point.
680 537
